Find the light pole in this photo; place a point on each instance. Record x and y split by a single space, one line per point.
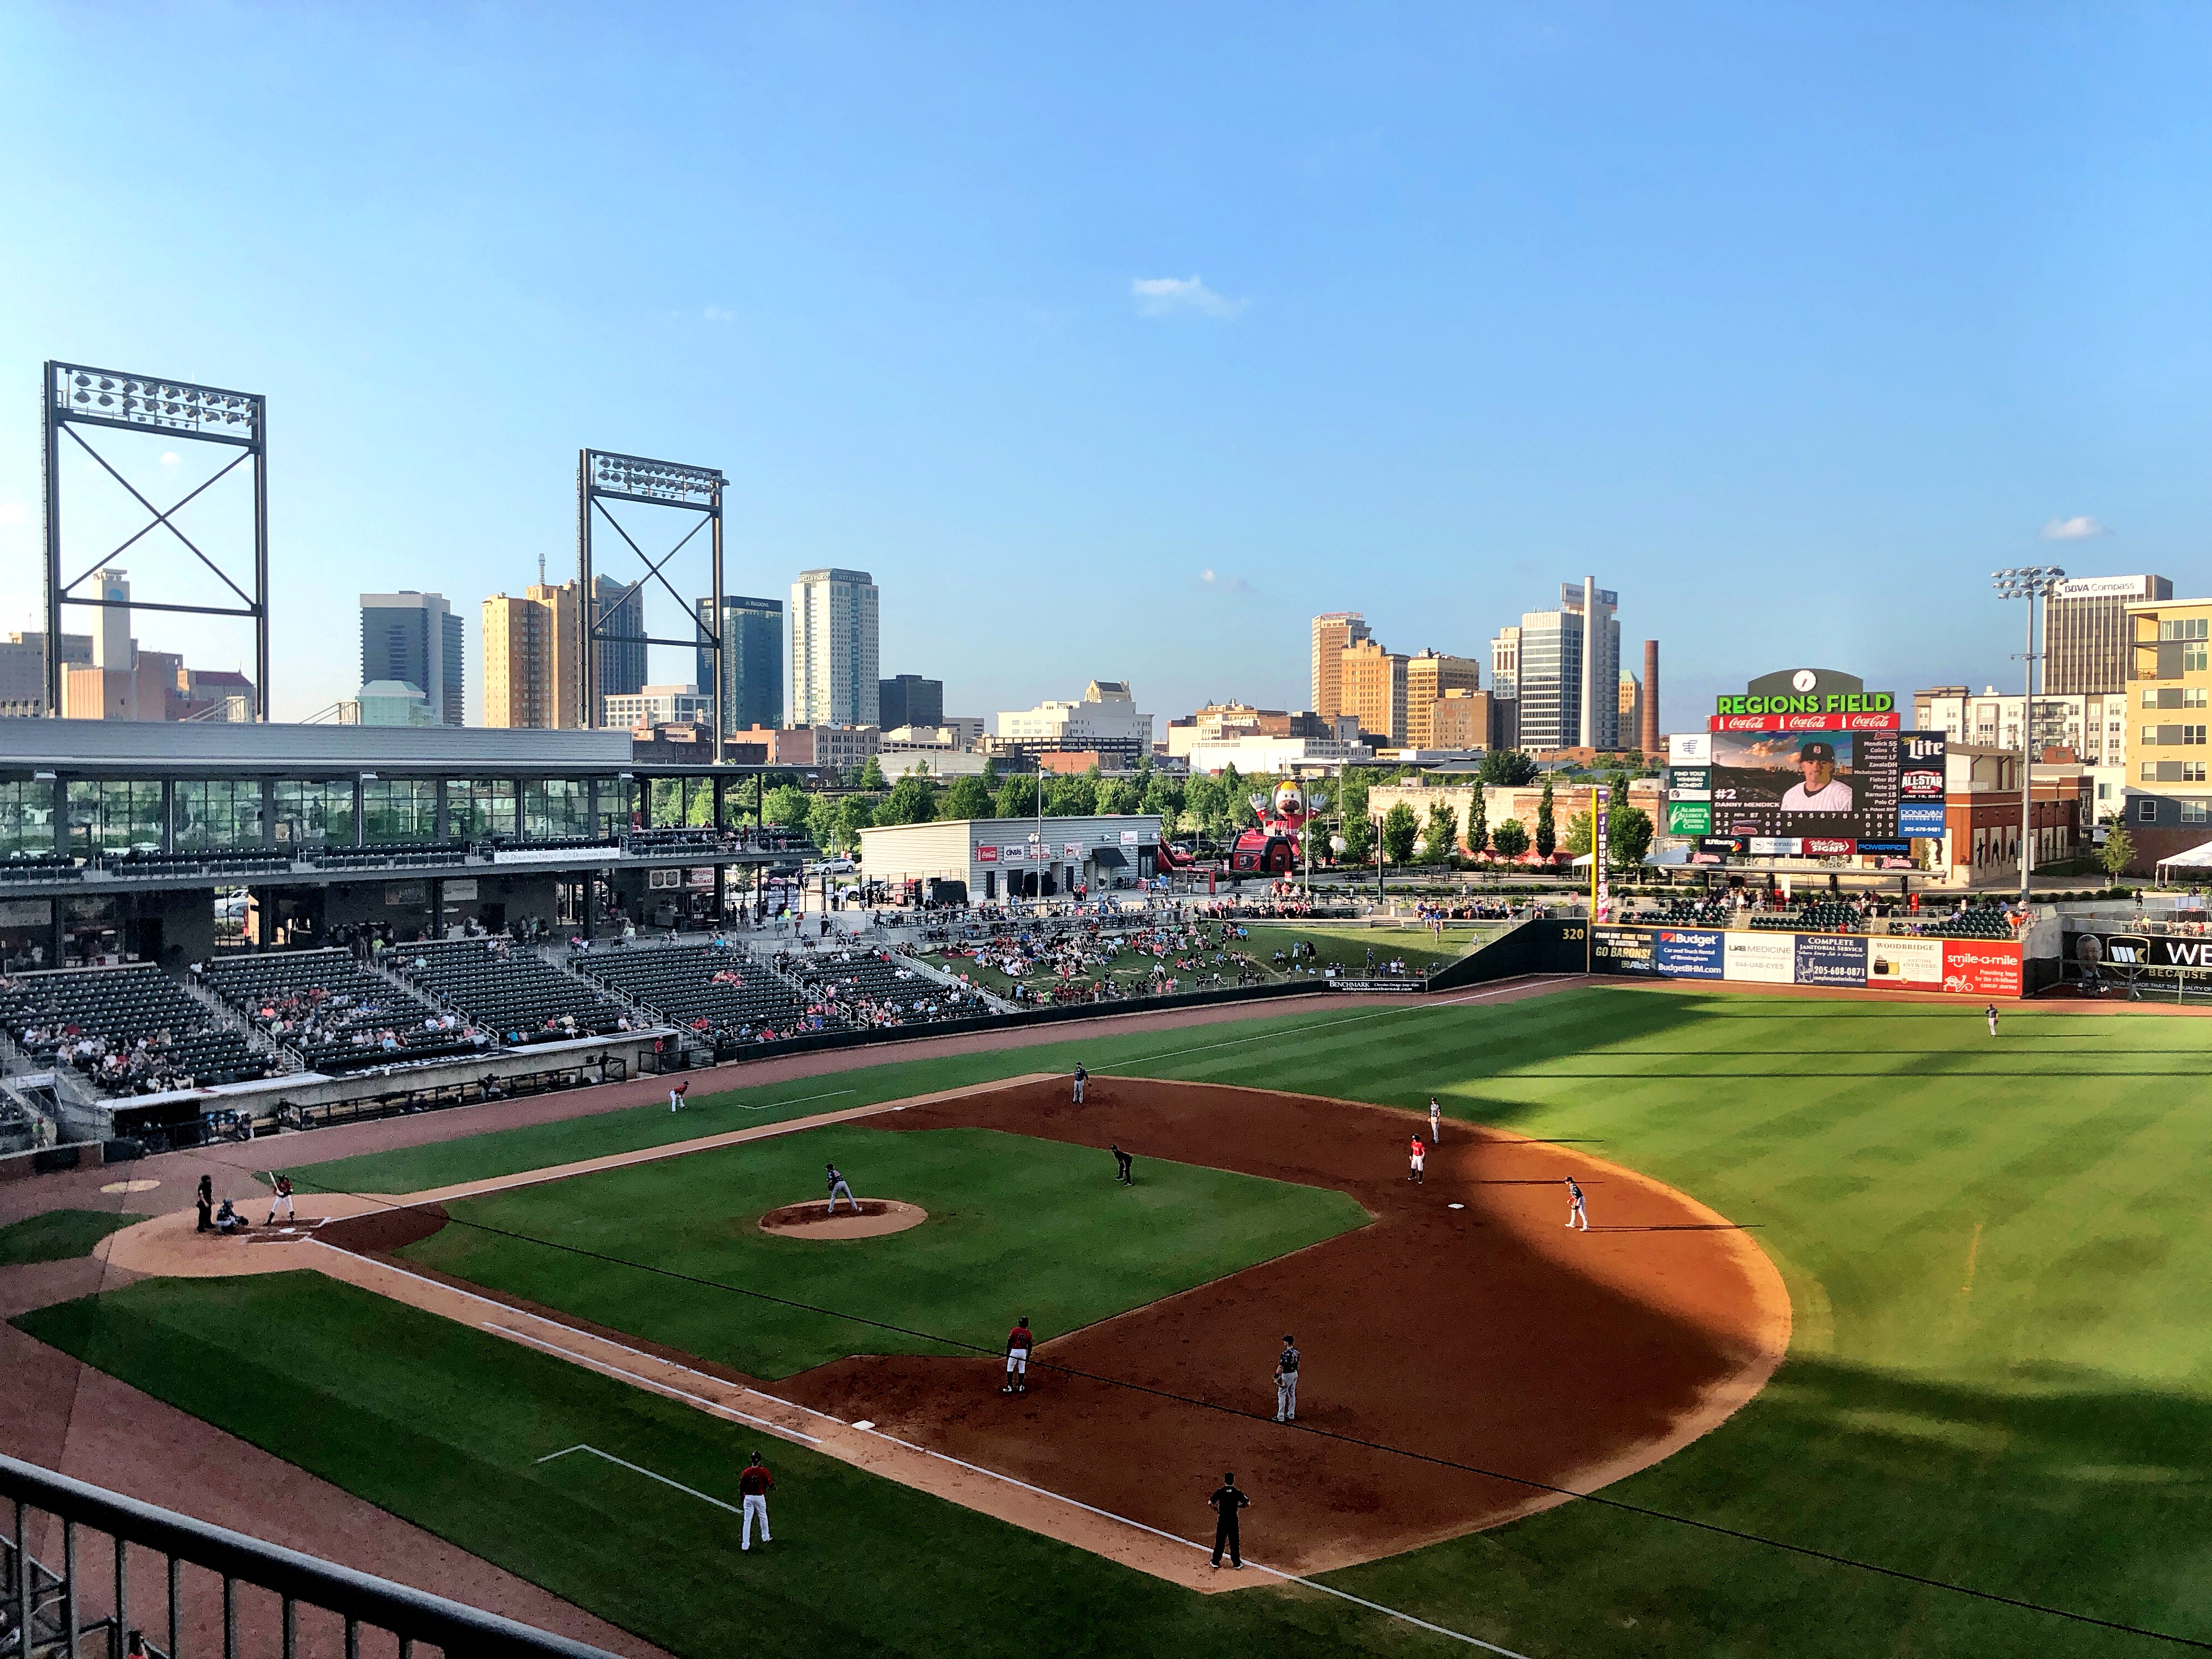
2031 582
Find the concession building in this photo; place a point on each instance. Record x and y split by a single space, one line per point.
982 860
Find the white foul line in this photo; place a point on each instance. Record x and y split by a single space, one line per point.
977 1469
647 1473
648 1384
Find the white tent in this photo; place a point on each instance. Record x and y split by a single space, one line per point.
2197 858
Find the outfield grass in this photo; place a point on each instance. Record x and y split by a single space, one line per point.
2002 1372
59 1235
1347 947
1016 1227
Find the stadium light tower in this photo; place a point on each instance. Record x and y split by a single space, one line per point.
75 396
2033 583
603 477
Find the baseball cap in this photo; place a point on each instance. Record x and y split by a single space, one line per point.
1817 751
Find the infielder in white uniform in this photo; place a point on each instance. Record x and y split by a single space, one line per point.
1436 1120
1286 1383
1576 1215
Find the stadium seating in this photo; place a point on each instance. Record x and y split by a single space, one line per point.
332 1012
116 1008
868 988
1977 923
227 861
401 853
516 995
676 983
1689 912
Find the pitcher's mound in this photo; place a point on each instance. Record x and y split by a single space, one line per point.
877 1215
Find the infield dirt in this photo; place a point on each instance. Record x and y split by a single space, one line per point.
1489 1338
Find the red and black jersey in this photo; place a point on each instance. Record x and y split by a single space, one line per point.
755 1481
1019 1338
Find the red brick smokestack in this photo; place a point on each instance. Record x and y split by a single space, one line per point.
1650 734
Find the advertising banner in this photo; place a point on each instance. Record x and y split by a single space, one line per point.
1828 847
1804 722
1014 854
1689 783
1906 964
1622 950
1681 953
2125 955
1920 820
460 890
1072 850
1833 959
1774 846
1689 748
986 855
1762 958
1715 849
1982 967
1689 817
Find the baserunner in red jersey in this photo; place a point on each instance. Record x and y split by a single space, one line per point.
1017 1357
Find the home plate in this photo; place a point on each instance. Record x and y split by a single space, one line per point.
1455 1207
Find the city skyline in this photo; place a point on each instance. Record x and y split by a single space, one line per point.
1691 319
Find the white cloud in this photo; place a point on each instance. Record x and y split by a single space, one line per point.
170 458
719 314
2077 528
14 513
1216 581
1160 296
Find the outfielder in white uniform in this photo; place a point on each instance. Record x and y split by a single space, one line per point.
1436 1122
1286 1383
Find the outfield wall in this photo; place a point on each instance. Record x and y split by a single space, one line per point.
1847 962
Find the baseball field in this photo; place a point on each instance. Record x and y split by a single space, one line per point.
1979 1263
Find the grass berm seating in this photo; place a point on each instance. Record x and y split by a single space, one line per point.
359 1004
119 1005
677 982
515 994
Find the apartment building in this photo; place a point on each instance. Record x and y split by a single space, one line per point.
2168 804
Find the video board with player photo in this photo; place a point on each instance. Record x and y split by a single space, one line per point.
1840 785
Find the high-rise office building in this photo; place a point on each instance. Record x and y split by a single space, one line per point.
910 699
833 649
622 662
1569 671
1332 633
1630 707
520 645
1505 664
414 638
2085 631
1431 674
1372 687
752 662
533 648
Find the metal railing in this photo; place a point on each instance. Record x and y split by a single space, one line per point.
45 1608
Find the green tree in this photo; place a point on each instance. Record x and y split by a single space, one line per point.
2118 851
1617 790
1510 840
1511 768
1547 833
1203 805
871 775
1477 821
1018 796
1440 836
1163 795
913 800
1627 836
788 806
1578 834
1071 797
967 798
822 822
1400 829
1116 795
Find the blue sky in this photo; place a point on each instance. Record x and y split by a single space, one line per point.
1117 341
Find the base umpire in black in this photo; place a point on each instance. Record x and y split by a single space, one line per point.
1226 1501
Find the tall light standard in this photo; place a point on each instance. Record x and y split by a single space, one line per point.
2033 583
